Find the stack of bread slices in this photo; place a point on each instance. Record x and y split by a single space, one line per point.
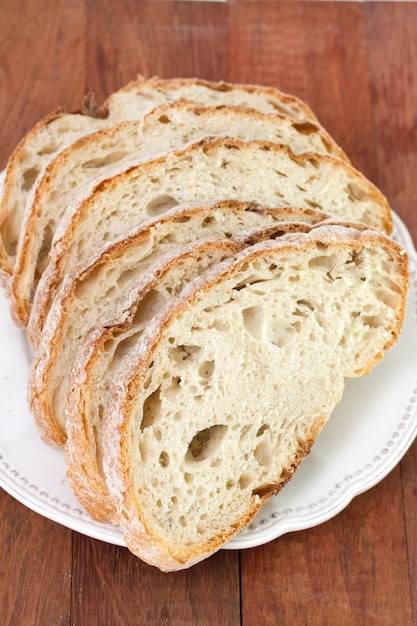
198 267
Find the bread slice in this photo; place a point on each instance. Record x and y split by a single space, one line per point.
102 153
103 348
89 296
209 170
60 129
89 382
228 387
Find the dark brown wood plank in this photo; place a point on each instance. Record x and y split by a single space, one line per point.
350 570
42 52
392 49
317 51
167 39
392 52
115 587
409 488
35 567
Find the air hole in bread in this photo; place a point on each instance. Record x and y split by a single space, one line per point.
124 347
280 337
45 247
263 453
206 369
245 480
262 429
313 204
29 177
252 279
183 219
355 192
50 148
205 443
164 459
355 258
151 409
252 320
152 302
326 262
282 174
207 221
245 432
126 276
161 204
184 353
112 157
172 389
279 109
373 321
305 128
303 308
390 298
168 238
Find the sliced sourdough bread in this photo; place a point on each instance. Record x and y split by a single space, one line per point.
228 387
208 170
104 347
89 383
56 131
103 153
89 296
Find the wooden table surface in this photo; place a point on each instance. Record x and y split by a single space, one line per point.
354 63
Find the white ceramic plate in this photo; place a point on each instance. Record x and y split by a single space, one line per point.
368 434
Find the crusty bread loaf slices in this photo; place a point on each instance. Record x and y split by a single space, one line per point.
89 382
209 170
89 296
59 130
103 348
227 388
102 153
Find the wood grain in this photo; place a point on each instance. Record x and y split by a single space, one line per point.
317 51
351 570
207 594
150 38
392 48
42 67
35 567
354 63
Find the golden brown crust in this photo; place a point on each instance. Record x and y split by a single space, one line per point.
6 264
208 146
140 537
50 340
161 84
19 292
